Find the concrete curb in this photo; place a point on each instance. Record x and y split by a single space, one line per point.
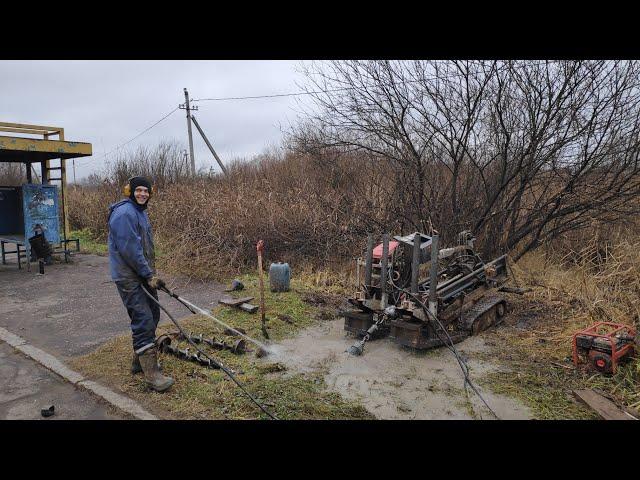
123 403
10 338
50 362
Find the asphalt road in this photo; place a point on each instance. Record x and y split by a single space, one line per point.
26 388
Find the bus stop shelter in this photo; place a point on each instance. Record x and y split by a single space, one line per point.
44 202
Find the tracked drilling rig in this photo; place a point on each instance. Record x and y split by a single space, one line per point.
458 297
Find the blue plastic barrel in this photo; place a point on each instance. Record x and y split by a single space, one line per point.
279 276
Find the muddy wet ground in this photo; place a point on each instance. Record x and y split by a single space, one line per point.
393 382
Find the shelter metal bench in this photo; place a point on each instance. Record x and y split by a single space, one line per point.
20 248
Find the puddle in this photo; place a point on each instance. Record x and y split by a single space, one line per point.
394 382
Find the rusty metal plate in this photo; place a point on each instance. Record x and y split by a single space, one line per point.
357 322
419 336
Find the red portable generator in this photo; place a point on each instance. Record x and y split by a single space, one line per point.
604 344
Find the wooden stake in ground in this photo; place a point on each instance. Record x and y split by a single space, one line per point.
260 249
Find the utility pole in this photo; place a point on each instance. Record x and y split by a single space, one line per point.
206 140
188 108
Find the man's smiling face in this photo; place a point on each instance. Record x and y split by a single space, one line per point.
141 195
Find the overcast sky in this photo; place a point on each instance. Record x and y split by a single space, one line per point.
107 103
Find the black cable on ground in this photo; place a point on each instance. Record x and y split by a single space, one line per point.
463 364
171 294
215 362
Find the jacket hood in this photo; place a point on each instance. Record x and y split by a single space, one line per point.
113 206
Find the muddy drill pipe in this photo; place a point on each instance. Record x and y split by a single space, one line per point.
433 277
415 262
164 345
384 264
238 347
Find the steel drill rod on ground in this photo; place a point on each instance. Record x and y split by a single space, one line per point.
195 309
215 362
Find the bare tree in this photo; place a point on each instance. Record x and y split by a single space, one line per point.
12 174
517 151
164 164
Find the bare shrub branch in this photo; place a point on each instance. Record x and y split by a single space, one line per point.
518 151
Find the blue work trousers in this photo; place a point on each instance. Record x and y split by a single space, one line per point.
143 312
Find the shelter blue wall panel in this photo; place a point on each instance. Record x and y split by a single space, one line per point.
40 207
10 211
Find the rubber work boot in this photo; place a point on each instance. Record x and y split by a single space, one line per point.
152 375
135 365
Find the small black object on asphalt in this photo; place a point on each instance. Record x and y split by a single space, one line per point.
47 412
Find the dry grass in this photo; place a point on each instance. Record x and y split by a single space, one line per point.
567 295
211 224
312 210
88 243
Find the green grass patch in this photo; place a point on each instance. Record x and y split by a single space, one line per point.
88 242
286 312
203 393
547 393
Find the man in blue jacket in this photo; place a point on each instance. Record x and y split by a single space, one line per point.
132 261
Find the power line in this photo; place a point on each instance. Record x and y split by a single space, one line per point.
293 94
138 135
449 75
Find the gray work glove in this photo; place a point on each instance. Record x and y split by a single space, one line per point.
156 282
